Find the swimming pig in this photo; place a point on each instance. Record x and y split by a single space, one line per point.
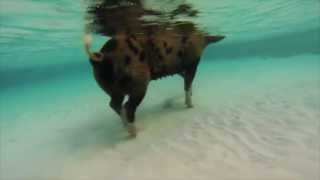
127 63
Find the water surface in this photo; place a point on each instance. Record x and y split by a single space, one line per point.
256 98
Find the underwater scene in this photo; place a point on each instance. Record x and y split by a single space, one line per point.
160 90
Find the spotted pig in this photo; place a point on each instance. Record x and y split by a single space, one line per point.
127 63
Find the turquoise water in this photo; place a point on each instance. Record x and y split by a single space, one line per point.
256 97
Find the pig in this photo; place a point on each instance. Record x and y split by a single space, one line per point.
126 64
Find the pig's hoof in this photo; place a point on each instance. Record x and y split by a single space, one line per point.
132 130
189 105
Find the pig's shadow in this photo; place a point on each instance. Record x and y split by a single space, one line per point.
105 129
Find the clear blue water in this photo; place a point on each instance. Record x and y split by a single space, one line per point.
271 53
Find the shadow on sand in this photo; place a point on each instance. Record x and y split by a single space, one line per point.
105 131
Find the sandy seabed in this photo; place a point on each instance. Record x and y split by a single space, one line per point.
254 119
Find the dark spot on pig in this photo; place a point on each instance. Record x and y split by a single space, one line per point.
127 60
142 56
169 50
165 44
184 39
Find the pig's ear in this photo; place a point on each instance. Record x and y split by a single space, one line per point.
96 56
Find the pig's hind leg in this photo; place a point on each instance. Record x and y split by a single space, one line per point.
189 75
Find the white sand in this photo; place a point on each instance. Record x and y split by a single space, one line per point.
253 119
